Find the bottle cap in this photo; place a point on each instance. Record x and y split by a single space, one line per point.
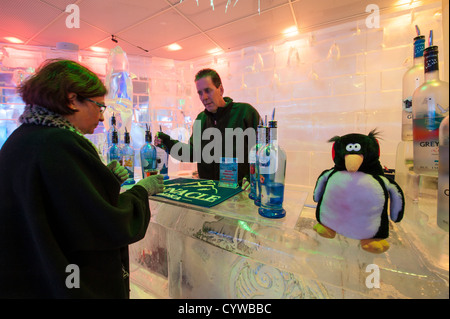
431 49
115 136
431 55
273 124
148 134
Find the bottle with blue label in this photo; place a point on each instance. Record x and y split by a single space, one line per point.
114 152
430 106
252 158
272 172
148 156
128 159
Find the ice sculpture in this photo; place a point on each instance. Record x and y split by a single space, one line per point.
120 91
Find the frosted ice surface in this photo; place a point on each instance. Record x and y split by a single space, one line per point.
196 253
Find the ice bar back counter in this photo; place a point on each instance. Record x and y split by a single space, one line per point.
230 251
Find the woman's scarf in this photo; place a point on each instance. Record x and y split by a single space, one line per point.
39 115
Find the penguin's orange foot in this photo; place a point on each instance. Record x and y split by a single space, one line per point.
324 231
375 245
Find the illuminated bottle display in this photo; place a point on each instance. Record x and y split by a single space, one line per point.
412 79
128 159
148 156
114 152
442 213
254 173
430 106
272 171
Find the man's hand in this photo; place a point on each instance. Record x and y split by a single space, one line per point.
157 141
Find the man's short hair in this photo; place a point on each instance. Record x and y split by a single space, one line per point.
209 72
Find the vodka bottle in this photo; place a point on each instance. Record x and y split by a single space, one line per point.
128 159
430 106
265 136
412 79
272 171
148 156
254 175
442 213
114 152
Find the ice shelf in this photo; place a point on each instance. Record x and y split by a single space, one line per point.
229 251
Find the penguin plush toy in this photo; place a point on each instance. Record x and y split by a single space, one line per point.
352 197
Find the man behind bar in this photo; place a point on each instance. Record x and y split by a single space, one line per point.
219 114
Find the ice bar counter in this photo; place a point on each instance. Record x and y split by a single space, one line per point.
230 251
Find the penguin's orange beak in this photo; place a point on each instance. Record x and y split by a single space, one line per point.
353 162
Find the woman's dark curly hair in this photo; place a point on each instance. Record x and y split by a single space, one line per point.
55 79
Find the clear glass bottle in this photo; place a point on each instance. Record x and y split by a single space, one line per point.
412 79
265 136
430 106
442 212
114 152
128 159
254 175
272 172
148 156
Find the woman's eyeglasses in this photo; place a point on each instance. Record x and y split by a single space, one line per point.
100 105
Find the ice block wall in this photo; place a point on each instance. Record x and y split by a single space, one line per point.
332 81
162 90
338 80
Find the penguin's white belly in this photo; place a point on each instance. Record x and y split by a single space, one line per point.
352 204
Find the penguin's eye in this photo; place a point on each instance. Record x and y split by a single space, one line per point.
353 147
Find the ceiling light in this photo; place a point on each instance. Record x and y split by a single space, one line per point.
13 40
98 49
411 3
174 47
290 32
215 51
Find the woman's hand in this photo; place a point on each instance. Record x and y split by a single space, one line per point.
153 184
245 185
118 170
